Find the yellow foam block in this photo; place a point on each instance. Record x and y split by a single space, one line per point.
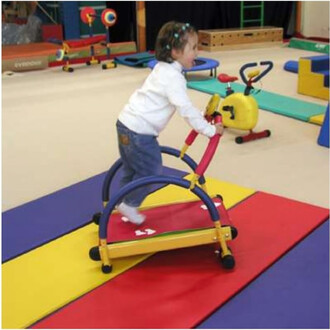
38 283
319 119
311 83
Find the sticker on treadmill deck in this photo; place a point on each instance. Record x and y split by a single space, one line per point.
147 231
204 207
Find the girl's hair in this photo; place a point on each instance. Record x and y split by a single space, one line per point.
172 35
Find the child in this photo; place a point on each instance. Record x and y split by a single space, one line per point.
151 107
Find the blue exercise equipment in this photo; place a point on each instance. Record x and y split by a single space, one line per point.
201 63
323 139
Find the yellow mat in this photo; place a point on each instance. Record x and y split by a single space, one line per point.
319 119
38 283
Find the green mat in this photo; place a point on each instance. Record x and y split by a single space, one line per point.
284 105
313 46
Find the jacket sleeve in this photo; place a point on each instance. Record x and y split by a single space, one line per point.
176 91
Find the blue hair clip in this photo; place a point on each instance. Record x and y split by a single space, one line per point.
168 47
176 35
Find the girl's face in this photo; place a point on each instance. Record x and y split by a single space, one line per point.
186 57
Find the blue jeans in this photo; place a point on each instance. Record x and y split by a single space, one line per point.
141 157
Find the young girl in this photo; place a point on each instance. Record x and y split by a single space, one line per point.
151 107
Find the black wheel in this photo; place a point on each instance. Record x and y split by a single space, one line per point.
97 217
234 232
104 66
115 64
228 261
220 197
106 269
268 132
88 63
94 253
239 140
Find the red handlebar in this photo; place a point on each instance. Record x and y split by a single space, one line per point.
210 150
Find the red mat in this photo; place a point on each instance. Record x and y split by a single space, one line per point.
179 288
161 220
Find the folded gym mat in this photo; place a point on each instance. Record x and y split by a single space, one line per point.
179 288
35 223
61 271
291 66
292 294
283 105
136 60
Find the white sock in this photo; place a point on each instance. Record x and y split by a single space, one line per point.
131 213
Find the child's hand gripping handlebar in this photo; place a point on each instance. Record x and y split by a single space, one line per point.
211 108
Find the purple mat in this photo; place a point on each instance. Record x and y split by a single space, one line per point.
293 293
35 223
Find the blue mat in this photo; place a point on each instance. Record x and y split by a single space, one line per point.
40 221
292 294
276 103
135 60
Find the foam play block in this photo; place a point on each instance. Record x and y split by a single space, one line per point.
61 271
182 287
283 105
313 76
318 120
323 138
291 66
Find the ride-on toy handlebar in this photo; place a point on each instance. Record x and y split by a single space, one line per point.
214 117
259 76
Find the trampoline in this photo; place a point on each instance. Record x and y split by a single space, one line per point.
201 64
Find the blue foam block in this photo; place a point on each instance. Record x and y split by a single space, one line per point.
291 66
323 138
319 63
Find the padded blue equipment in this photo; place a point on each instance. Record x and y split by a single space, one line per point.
135 60
319 63
201 63
323 139
291 66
